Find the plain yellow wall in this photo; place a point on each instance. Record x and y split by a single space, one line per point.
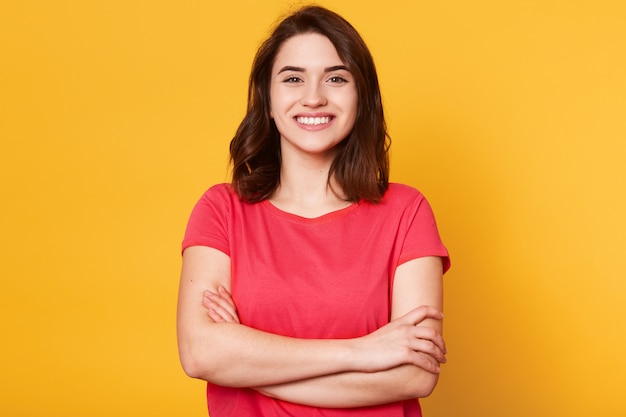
116 115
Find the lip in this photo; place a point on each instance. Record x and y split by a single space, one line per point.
315 121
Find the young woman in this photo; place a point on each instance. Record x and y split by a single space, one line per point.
310 285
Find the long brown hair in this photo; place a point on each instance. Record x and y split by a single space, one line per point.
361 167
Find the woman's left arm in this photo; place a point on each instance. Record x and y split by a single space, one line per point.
416 282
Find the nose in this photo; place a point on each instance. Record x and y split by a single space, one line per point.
313 95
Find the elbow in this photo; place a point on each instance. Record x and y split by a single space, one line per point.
199 365
193 364
421 385
197 368
192 368
426 389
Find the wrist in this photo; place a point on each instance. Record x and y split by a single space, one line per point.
356 357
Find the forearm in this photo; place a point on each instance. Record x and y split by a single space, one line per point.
213 346
235 355
231 354
357 389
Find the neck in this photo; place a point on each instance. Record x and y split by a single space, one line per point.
305 189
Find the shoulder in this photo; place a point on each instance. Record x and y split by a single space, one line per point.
396 188
221 191
402 194
208 223
405 200
216 202
222 200
219 195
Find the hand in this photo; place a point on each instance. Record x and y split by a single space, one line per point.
403 341
221 307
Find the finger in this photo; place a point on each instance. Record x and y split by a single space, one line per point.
429 348
215 316
428 333
226 295
420 314
222 302
222 315
215 303
426 363
213 310
229 308
212 302
422 361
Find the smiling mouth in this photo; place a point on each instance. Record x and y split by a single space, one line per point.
313 121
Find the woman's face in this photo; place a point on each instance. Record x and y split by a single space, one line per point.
313 97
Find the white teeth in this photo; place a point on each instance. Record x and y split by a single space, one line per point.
313 120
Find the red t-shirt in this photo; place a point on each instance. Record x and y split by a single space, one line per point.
326 277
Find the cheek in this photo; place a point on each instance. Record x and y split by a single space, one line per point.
352 101
275 106
354 106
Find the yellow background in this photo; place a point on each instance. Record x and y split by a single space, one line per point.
116 115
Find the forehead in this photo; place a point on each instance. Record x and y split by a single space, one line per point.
309 50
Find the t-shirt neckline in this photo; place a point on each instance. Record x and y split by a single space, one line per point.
336 214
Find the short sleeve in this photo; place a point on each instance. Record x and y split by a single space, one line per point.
208 222
422 236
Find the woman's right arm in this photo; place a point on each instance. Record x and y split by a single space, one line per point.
231 354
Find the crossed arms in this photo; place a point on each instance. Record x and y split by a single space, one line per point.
399 361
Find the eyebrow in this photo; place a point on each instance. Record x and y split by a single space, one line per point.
300 69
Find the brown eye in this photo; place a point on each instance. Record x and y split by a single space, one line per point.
337 79
292 79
